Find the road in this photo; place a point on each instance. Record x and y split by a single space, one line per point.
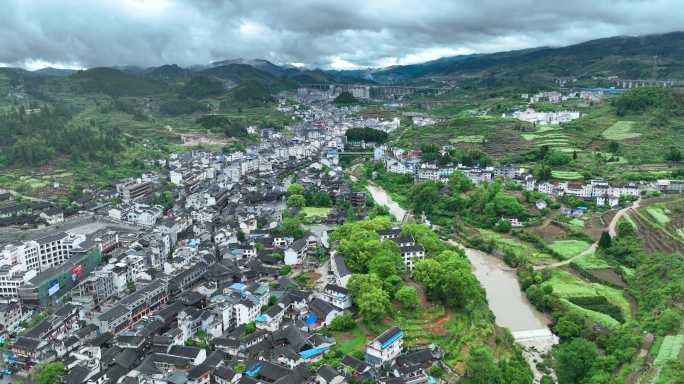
17 194
612 231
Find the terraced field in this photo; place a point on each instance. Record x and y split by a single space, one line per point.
669 350
569 286
659 224
566 175
569 248
621 130
468 139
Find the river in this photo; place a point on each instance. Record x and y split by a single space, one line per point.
383 198
509 304
511 308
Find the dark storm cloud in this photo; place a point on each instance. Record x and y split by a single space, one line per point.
317 33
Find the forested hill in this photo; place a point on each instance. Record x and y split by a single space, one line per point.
622 56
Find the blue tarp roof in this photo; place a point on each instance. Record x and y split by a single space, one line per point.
237 286
311 320
253 370
309 353
392 339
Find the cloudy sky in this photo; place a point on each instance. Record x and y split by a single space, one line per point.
341 34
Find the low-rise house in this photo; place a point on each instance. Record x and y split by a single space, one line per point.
385 348
296 252
337 296
339 269
328 375
321 313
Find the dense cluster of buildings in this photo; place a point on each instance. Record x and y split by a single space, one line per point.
553 118
182 275
600 191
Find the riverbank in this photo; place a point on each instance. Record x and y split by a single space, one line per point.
510 306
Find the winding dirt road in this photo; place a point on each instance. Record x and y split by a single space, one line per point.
612 231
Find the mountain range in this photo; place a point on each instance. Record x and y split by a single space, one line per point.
641 57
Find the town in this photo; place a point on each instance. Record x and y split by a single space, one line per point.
341 193
139 290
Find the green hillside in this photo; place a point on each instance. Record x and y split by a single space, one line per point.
622 56
115 83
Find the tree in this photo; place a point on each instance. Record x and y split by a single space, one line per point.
48 373
674 155
574 360
295 189
167 199
613 147
605 240
480 367
240 367
292 227
503 226
360 283
408 297
448 278
342 323
296 201
345 98
669 321
424 196
429 152
367 134
458 182
285 270
567 328
625 229
250 328
558 158
386 264
373 304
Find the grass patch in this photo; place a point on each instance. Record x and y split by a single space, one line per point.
569 248
669 350
351 341
576 222
621 130
566 175
316 211
529 136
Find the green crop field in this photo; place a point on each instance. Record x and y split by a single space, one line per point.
546 128
567 285
669 350
566 175
621 130
598 317
658 214
577 222
468 139
569 248
591 261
